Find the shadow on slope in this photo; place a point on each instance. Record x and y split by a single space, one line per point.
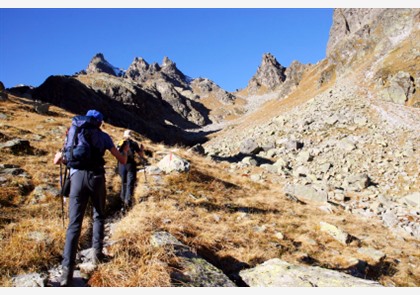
147 115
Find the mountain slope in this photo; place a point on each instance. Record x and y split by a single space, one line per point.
318 169
229 216
348 121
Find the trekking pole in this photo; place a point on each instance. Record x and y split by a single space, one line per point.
145 177
62 192
144 169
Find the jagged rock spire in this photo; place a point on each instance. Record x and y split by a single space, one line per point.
99 64
140 71
138 68
270 74
167 63
169 68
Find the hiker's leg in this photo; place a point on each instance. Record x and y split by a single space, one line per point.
123 174
98 190
131 180
77 205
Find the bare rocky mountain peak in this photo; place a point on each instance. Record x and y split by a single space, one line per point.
269 59
154 67
138 68
99 56
270 74
167 63
140 62
99 64
272 77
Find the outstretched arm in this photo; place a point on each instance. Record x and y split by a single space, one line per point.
121 157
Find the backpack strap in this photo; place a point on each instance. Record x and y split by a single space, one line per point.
73 141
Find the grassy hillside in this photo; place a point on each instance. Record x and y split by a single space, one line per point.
225 217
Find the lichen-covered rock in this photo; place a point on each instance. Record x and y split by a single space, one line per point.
172 162
278 273
194 271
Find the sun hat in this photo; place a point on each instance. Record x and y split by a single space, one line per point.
127 134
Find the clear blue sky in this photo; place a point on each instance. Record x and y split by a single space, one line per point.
217 39
225 45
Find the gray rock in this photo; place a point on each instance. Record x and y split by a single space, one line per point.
270 74
30 280
413 199
375 255
250 146
306 193
335 232
358 182
172 162
278 273
196 272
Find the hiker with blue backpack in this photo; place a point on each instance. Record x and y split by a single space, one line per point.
83 153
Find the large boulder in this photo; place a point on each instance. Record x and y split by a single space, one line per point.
173 163
279 273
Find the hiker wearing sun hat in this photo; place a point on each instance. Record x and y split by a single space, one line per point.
87 182
128 171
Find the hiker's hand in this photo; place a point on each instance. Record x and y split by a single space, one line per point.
58 157
126 147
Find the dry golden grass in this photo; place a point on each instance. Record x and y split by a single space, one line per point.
227 219
234 224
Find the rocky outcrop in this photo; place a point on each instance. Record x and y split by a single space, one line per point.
194 270
384 40
99 64
348 22
175 76
3 94
278 273
294 74
123 104
141 72
273 81
270 75
203 87
356 32
399 88
172 162
191 110
171 85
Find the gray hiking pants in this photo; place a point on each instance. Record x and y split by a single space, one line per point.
128 175
85 185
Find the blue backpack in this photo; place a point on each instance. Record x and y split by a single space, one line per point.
79 153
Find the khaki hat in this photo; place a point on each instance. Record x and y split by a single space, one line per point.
127 134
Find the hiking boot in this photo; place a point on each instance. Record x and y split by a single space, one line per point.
95 257
66 277
98 257
128 206
124 209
